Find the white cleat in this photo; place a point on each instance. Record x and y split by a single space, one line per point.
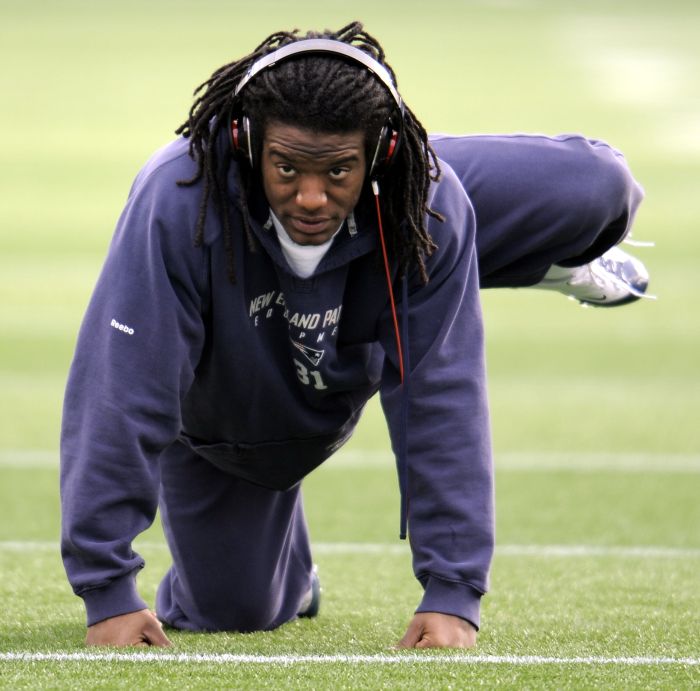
615 278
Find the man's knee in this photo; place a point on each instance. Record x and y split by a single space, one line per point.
223 603
243 610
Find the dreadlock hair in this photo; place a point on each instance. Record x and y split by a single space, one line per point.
327 94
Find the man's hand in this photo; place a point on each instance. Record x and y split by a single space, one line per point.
140 628
435 630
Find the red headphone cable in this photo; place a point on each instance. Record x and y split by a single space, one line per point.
397 335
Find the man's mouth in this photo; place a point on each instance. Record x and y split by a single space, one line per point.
310 225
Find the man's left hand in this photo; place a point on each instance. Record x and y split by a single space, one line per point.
435 630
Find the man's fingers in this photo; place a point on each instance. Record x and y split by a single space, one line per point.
411 637
157 638
435 630
154 633
140 628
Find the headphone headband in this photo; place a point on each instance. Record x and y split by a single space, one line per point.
390 135
324 45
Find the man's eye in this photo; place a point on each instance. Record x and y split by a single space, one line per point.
338 173
286 171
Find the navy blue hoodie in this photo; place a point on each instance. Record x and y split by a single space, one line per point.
267 377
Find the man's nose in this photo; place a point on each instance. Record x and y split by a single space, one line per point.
311 193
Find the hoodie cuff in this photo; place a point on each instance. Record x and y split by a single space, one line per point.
448 597
119 597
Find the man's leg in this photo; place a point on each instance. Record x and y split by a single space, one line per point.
241 554
544 202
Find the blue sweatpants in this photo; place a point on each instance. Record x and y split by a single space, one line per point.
540 201
241 553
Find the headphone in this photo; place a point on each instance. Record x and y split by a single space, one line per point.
389 138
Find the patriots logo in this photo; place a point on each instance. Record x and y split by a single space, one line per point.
311 354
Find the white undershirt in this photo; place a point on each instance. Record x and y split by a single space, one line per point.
303 259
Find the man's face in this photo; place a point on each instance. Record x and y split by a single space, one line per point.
312 181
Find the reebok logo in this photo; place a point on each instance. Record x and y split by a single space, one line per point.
121 327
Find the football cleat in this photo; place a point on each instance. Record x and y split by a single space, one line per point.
615 278
312 600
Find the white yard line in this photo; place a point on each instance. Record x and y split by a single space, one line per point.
285 660
627 551
28 458
585 462
332 548
650 552
525 461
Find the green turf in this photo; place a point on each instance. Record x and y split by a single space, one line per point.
559 606
594 411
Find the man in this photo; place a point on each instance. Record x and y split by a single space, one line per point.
288 257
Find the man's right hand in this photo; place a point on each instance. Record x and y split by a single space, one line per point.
140 628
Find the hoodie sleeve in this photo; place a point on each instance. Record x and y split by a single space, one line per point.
445 428
135 357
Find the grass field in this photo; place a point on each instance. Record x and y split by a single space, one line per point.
595 413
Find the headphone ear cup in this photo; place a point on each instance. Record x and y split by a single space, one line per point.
385 151
241 139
